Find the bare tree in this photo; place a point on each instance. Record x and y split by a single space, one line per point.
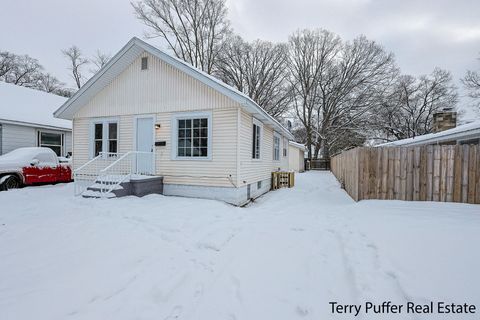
310 55
193 29
471 82
336 86
348 93
259 70
407 111
99 60
48 83
77 61
7 63
21 70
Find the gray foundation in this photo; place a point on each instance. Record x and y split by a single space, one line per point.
235 196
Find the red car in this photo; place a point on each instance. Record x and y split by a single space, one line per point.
30 166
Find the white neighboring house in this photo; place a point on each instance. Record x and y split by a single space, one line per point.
206 138
296 158
26 120
463 134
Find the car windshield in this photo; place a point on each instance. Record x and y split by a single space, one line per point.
25 154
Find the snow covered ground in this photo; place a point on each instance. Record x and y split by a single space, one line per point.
284 257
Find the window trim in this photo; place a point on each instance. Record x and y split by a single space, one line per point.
91 140
260 125
174 135
279 137
285 147
62 140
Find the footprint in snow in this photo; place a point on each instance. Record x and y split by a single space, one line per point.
302 311
175 314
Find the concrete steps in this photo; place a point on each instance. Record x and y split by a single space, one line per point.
137 186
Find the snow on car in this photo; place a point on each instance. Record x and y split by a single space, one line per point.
29 166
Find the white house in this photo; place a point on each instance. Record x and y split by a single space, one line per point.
205 138
26 120
296 158
468 133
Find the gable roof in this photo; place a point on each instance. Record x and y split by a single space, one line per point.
131 51
29 107
459 132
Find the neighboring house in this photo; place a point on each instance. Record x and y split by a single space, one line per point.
207 139
463 134
296 158
26 120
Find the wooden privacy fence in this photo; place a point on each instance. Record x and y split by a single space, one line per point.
449 173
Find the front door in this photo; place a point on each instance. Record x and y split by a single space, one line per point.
144 143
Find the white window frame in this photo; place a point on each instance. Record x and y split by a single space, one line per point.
279 137
174 134
260 125
62 140
105 135
285 147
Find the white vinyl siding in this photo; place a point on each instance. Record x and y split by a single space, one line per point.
219 171
17 136
252 170
160 88
296 159
165 91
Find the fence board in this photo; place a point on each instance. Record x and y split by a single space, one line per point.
429 173
471 174
438 173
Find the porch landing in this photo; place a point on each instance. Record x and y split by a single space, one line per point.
138 185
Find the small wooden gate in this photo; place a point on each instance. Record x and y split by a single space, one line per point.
282 179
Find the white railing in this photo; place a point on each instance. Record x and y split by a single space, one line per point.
133 163
87 174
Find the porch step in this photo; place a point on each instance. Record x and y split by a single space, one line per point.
121 190
137 186
96 194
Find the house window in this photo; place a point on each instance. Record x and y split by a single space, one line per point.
54 141
285 147
144 63
192 136
105 137
256 145
276 147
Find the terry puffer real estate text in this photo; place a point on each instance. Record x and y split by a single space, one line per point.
388 307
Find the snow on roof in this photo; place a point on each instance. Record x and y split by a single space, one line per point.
27 106
450 134
298 145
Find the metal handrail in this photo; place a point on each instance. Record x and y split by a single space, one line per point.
86 164
86 174
119 171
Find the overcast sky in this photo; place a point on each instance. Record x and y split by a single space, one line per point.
422 34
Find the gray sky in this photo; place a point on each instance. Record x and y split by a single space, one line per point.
422 34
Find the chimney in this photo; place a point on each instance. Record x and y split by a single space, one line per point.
444 120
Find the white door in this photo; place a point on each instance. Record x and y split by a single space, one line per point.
145 158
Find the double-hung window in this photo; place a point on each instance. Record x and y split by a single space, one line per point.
276 147
192 134
285 147
105 137
257 138
54 141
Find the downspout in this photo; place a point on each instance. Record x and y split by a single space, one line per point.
239 115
